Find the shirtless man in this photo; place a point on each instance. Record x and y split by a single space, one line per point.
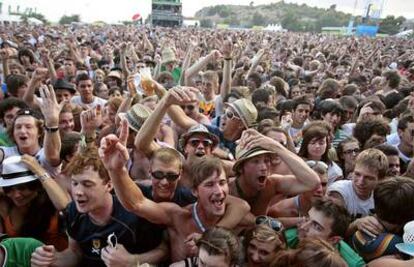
254 182
209 186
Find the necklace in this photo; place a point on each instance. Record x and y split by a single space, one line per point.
197 220
242 195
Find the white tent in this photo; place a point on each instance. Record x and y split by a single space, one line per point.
274 28
10 18
34 21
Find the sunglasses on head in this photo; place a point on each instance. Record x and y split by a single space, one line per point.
273 223
159 175
196 142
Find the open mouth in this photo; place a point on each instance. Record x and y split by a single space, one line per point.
218 203
200 154
23 138
262 179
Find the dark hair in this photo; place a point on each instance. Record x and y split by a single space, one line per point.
317 132
349 89
300 100
404 121
14 82
388 150
394 200
260 96
10 103
330 106
25 52
69 141
35 225
329 89
82 77
256 78
365 129
340 148
279 85
348 102
335 211
393 78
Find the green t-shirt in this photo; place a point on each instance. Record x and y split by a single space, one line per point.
176 73
347 253
18 251
5 140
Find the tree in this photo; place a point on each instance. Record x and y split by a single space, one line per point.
258 19
391 25
206 23
69 19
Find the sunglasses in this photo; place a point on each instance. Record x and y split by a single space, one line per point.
189 107
195 142
314 163
352 151
171 177
230 115
273 223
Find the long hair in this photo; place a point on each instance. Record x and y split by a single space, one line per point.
318 133
34 224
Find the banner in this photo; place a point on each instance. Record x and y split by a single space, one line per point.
374 7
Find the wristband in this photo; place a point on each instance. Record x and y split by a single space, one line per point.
43 177
228 58
51 129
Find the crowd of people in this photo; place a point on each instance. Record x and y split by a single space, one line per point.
141 146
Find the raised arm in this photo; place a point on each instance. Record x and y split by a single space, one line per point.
57 195
51 110
304 179
114 155
29 95
198 66
125 71
227 68
187 60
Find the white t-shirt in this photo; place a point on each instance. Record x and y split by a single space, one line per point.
40 156
96 101
355 206
334 173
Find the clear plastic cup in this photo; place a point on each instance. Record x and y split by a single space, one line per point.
147 84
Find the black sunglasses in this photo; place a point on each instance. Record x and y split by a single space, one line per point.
273 223
171 177
195 142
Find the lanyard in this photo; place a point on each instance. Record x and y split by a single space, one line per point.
197 219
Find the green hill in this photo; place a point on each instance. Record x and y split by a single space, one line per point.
293 17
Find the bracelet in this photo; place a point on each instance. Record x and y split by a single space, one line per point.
43 177
228 58
51 129
88 138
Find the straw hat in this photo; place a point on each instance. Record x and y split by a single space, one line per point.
136 116
246 111
168 56
243 154
15 172
198 129
114 74
408 246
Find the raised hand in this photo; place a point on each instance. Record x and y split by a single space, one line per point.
252 138
182 95
227 49
33 165
113 151
49 106
91 119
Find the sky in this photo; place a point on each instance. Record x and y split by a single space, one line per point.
120 10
